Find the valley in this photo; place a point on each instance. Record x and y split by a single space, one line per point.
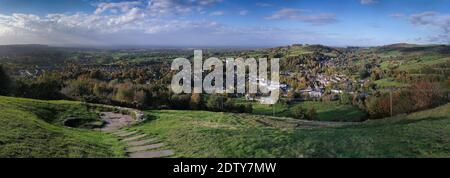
386 101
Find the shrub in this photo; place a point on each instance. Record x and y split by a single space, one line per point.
364 73
196 101
419 96
5 82
215 103
345 98
426 95
248 108
299 113
180 101
312 114
378 107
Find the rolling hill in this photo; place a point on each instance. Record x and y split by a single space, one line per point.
34 128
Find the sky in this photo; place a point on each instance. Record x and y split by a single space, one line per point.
227 23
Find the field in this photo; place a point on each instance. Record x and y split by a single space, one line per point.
33 128
326 111
389 82
207 134
428 61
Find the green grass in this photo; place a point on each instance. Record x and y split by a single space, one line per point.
208 134
33 128
389 82
428 61
326 111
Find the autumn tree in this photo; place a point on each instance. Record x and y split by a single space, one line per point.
299 112
312 114
426 95
196 101
5 82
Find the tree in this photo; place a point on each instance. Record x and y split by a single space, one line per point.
77 89
312 114
96 74
363 73
291 95
345 98
215 103
378 107
426 95
180 101
5 82
196 101
299 113
248 108
125 93
448 82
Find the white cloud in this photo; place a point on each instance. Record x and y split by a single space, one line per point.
367 2
299 15
285 13
170 7
122 6
397 15
263 4
217 13
434 20
142 23
243 12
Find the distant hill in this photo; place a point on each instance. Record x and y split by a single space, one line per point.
17 50
415 49
400 45
41 55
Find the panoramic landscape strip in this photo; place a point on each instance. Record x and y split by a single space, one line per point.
224 79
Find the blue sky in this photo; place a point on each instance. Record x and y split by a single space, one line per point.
224 22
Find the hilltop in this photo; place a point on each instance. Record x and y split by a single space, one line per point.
35 128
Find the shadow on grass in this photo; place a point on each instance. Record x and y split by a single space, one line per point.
148 118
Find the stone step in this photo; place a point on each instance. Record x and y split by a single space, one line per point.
120 132
152 154
127 134
142 142
145 147
137 137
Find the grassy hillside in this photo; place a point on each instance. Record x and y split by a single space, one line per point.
429 62
34 128
326 111
207 134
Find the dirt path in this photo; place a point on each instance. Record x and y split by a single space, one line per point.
115 121
139 144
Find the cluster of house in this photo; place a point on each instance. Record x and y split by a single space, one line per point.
314 91
32 73
321 80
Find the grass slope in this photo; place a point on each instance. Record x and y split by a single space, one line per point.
33 128
208 134
326 111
